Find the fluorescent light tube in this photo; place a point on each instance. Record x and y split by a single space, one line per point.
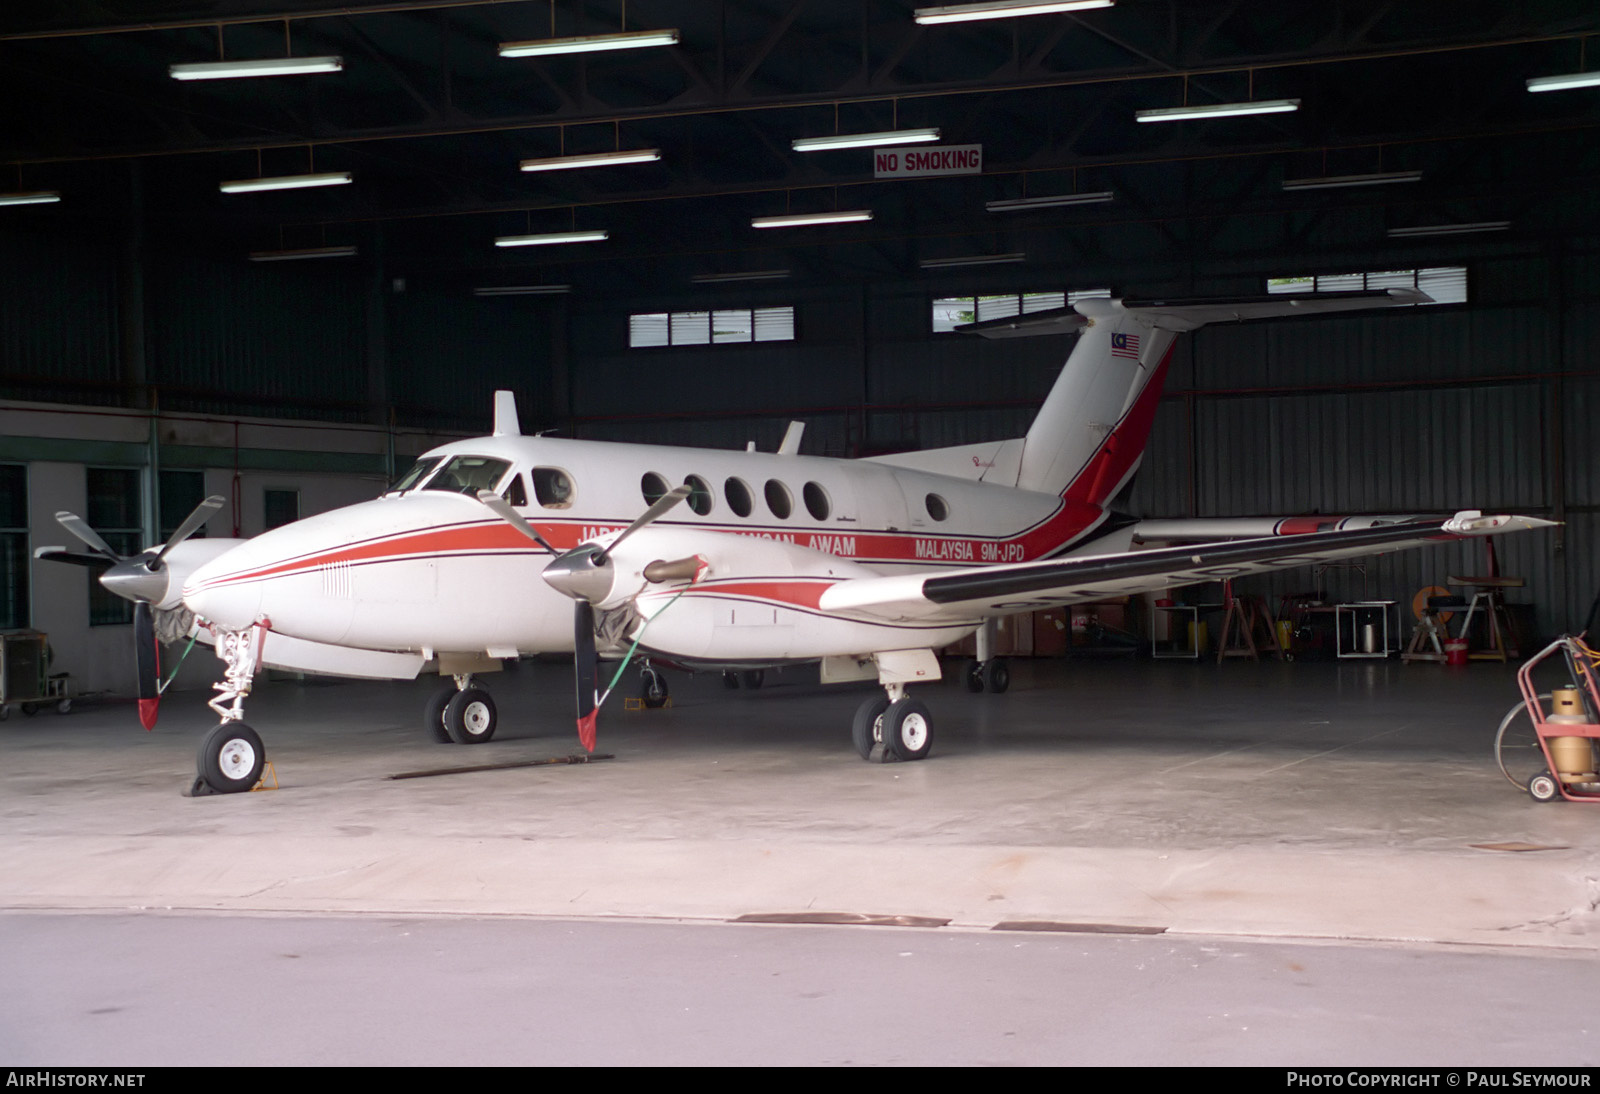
800 220
1334 182
594 159
1048 201
1217 110
593 235
285 182
272 66
31 197
304 252
1003 9
865 140
590 43
1563 83
753 275
972 260
522 290
1450 229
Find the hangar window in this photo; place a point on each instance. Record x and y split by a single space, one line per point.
699 328
951 312
552 487
779 500
181 492
738 495
700 499
115 497
1446 284
816 499
468 474
653 487
14 545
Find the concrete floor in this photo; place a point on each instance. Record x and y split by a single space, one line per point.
1327 801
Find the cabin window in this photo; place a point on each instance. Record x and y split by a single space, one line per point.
779 499
468 475
738 495
414 476
552 487
653 487
700 499
938 508
515 493
816 499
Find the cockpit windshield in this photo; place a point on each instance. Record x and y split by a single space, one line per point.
468 474
413 476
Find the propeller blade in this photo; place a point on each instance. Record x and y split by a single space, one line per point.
76 558
503 509
75 524
193 521
657 509
584 670
148 658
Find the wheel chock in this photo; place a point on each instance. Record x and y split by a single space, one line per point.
267 772
636 703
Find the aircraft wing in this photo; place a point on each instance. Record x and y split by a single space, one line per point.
1025 586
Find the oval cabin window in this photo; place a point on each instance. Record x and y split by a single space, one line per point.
700 499
737 494
779 500
816 499
938 508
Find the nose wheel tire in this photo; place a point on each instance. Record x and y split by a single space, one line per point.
433 715
469 717
867 729
231 758
907 730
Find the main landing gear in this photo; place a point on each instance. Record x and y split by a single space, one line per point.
462 713
894 726
993 676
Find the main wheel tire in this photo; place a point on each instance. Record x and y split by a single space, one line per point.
996 676
975 677
907 730
752 679
231 758
433 714
653 689
867 728
1517 749
1543 787
470 717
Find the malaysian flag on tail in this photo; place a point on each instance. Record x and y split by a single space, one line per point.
1125 345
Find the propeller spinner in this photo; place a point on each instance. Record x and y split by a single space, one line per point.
587 575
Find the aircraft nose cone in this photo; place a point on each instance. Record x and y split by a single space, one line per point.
229 606
132 580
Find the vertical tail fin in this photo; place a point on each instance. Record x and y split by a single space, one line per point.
1090 434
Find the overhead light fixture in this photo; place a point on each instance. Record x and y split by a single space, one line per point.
1217 110
972 260
800 220
285 182
1335 182
1048 201
522 290
1564 83
753 275
590 43
303 252
1450 229
30 197
1002 9
594 159
272 66
864 140
592 235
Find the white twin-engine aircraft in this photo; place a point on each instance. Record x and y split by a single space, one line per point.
510 544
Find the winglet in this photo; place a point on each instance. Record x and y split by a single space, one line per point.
505 415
